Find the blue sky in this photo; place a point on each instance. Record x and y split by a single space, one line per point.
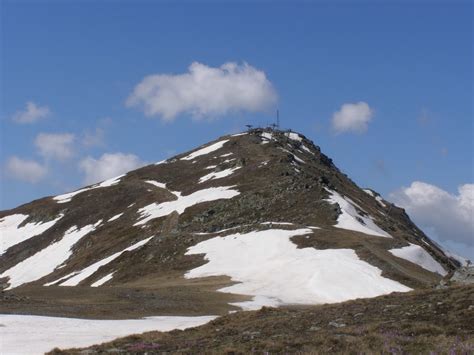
410 62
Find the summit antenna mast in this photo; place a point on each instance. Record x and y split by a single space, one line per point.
278 119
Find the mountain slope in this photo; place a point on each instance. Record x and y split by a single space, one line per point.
284 209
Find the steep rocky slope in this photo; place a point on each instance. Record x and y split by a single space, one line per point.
262 216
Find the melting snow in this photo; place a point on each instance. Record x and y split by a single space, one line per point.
282 223
11 234
218 174
115 217
210 167
369 192
294 136
225 155
351 219
156 183
36 335
103 280
306 149
67 197
48 259
267 136
156 210
78 276
419 256
205 150
271 268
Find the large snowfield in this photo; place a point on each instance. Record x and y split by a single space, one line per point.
27 335
270 267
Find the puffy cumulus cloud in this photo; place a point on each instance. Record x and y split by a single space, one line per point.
108 166
31 113
352 118
450 218
25 170
55 145
204 91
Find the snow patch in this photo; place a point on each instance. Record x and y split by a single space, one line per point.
117 216
351 219
294 136
417 255
156 183
271 268
103 280
48 259
218 174
68 197
225 155
156 210
206 150
11 234
76 277
42 334
306 149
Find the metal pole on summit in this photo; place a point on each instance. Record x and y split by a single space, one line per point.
278 119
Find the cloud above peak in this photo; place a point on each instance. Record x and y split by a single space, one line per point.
204 92
31 114
352 117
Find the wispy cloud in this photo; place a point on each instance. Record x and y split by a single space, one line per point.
204 92
55 145
25 170
32 113
107 166
352 118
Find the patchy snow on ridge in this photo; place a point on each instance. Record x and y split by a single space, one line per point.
218 174
206 150
156 210
267 136
68 197
294 136
369 192
351 219
74 278
42 334
417 255
48 259
11 234
378 198
271 268
306 149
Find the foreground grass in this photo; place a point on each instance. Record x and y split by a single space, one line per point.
423 321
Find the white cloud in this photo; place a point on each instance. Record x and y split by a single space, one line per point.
449 217
352 118
108 166
93 139
25 170
55 145
204 91
31 113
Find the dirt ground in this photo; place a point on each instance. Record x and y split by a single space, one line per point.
171 295
418 322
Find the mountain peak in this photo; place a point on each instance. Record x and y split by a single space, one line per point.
254 204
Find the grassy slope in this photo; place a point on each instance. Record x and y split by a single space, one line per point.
422 321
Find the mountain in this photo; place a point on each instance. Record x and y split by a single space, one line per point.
261 218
